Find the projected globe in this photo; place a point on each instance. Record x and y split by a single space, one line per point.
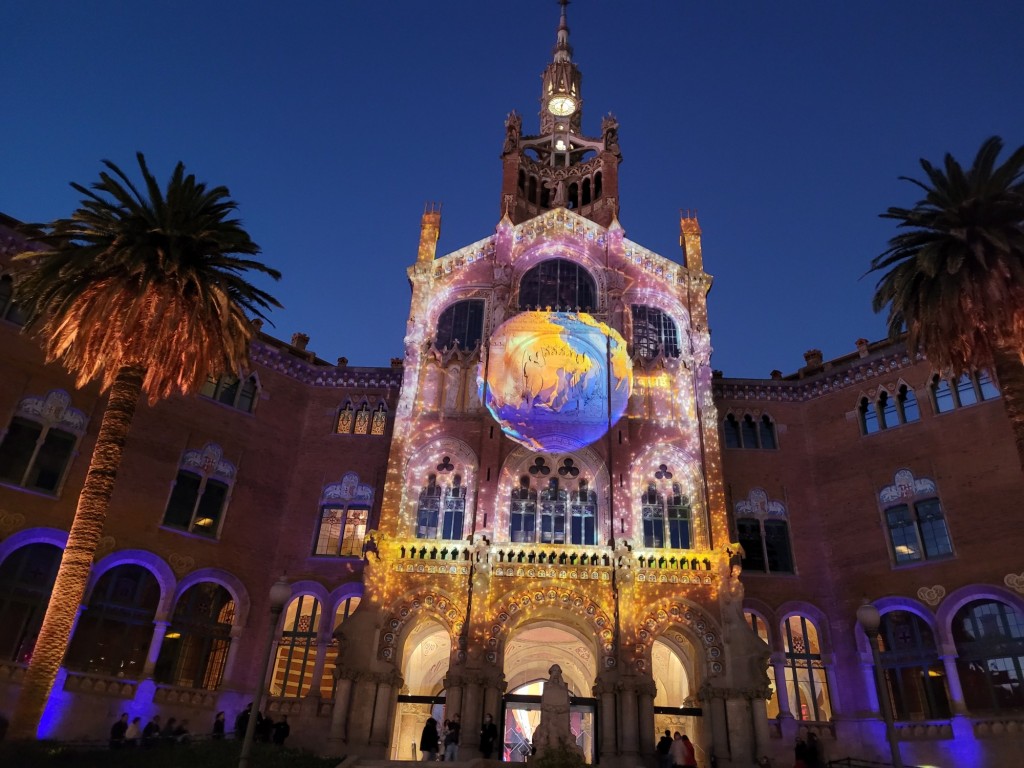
556 381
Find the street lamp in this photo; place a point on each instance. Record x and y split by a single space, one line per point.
869 620
279 594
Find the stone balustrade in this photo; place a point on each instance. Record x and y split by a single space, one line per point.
999 726
85 682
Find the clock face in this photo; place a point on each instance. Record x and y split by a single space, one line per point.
562 106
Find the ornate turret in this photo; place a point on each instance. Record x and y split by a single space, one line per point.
560 167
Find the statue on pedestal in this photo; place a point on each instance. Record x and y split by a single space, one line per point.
553 734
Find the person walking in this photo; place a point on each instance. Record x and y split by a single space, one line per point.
451 740
118 731
488 737
429 740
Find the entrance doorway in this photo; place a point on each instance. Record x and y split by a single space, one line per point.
521 716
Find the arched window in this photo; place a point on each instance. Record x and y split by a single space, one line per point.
296 652
454 509
232 391
583 515
586 191
195 647
806 680
654 332
523 512
869 424
731 430
345 420
345 609
917 531
906 402
597 185
989 637
40 441
200 492
888 411
766 433
428 512
560 284
9 308
362 420
951 393
914 675
26 580
461 324
379 421
115 630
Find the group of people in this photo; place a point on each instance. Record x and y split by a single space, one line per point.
267 729
431 739
131 733
125 733
808 753
676 751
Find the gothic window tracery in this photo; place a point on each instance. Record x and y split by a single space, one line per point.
560 284
749 432
654 332
949 393
297 648
915 520
441 510
888 410
201 492
806 677
461 324
914 673
762 529
361 423
666 513
39 443
346 418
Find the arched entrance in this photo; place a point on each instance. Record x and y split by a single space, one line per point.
530 652
675 704
424 664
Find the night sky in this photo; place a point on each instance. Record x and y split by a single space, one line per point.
784 124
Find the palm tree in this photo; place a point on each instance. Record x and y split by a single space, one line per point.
955 279
144 293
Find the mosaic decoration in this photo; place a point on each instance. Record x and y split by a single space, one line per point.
556 381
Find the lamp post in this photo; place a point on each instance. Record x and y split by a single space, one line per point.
869 620
279 594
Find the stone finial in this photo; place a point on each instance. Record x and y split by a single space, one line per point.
862 347
342 362
776 374
300 340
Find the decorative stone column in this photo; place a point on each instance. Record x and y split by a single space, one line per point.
323 647
779 669
340 709
159 632
228 678
739 729
384 705
713 699
360 718
604 692
646 692
627 717
957 705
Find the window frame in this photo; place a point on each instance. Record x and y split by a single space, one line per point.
580 277
662 335
215 389
470 336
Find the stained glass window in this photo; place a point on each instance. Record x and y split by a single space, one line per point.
654 332
346 417
362 420
461 324
380 420
806 680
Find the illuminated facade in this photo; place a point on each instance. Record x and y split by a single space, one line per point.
551 473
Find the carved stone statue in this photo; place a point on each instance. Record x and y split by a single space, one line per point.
554 731
610 133
513 132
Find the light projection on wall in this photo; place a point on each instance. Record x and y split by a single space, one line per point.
556 381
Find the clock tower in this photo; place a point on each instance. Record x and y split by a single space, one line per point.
560 167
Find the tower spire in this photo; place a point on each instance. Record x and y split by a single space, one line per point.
563 51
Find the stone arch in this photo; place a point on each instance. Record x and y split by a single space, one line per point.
151 562
518 463
958 598
15 541
684 624
571 247
401 619
229 581
898 603
555 602
579 664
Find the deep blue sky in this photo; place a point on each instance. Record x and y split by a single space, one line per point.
784 124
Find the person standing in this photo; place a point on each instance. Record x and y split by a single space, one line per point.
813 751
281 730
451 740
800 754
429 740
134 732
690 760
151 733
664 750
118 731
218 726
488 737
677 750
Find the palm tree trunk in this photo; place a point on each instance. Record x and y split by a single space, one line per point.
73 574
1010 375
